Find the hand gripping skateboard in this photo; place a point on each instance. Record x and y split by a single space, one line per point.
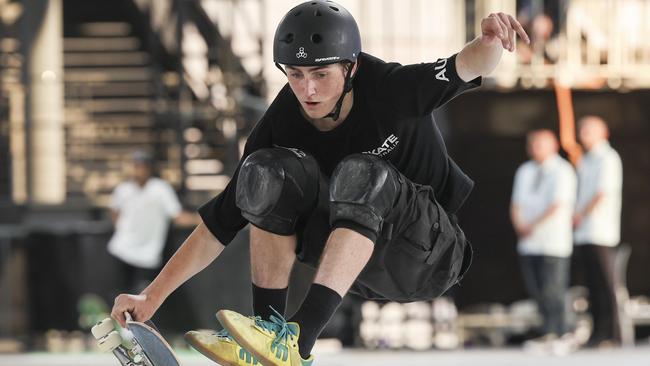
146 348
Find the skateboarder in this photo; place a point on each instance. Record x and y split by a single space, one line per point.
346 172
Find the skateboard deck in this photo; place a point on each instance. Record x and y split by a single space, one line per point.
153 344
146 347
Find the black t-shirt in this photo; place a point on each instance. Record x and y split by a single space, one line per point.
390 118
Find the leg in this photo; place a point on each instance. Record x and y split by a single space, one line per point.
597 282
593 280
345 255
272 258
530 269
590 277
555 277
605 294
362 193
275 188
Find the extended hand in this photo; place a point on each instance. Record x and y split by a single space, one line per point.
503 27
140 307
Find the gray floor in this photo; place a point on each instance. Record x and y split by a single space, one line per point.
639 356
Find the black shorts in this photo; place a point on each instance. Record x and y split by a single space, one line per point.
419 254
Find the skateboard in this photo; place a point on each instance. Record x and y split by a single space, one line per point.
146 347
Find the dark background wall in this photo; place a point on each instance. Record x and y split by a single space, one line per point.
487 138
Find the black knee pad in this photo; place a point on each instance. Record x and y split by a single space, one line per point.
275 187
363 190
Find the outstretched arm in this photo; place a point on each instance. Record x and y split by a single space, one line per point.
198 250
481 56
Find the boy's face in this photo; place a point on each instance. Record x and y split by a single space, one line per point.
317 88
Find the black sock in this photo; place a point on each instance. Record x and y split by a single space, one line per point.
315 312
265 297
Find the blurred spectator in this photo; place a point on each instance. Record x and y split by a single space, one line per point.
141 209
542 203
597 223
542 20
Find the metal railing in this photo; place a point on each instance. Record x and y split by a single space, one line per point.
589 44
220 87
13 92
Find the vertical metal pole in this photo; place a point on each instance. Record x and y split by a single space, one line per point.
43 42
184 109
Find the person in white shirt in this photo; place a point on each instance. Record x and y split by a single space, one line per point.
141 209
597 223
542 206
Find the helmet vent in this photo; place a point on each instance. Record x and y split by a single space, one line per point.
288 38
297 13
334 8
316 38
317 13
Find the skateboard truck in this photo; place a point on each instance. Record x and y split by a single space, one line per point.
140 345
124 347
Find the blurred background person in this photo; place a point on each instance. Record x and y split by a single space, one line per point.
141 210
542 202
597 222
542 19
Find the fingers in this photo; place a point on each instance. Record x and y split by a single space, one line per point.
505 28
494 27
510 43
502 30
117 314
122 304
517 27
136 306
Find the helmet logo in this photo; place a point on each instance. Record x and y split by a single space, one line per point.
301 53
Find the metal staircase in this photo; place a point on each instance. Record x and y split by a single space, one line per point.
109 104
126 88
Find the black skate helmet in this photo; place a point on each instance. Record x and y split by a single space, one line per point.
318 33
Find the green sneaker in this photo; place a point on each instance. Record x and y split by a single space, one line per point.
221 348
274 342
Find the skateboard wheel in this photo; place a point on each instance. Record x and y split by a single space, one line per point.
110 342
103 328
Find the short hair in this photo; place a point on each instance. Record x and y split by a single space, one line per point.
541 132
597 121
593 119
142 157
